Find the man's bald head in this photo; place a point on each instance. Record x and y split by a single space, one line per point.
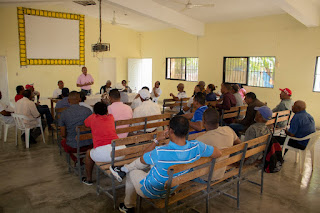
74 97
299 106
180 87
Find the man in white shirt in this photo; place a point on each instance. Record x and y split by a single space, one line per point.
5 112
25 106
156 92
147 108
85 81
57 92
181 94
137 100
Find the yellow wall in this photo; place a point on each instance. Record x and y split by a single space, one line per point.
125 44
294 45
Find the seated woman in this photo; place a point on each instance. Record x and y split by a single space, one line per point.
211 96
103 132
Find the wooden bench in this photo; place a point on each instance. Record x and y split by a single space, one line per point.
135 146
188 189
278 117
233 112
173 103
58 129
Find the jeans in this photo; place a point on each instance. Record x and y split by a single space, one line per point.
237 128
291 142
44 110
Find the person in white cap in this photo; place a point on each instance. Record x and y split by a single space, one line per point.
147 108
137 101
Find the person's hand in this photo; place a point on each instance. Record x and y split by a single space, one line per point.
163 135
171 94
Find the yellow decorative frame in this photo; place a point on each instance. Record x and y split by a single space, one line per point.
24 60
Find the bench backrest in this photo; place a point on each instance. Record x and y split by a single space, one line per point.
233 112
172 103
237 155
278 117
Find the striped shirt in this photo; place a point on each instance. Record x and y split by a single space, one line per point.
163 157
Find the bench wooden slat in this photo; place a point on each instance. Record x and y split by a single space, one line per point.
231 115
271 121
130 129
258 140
131 150
83 128
157 124
285 112
83 137
133 139
256 150
130 121
158 117
283 118
232 109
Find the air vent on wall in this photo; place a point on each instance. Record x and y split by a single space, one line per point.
85 3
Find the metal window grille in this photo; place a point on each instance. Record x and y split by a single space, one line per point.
316 83
251 71
185 69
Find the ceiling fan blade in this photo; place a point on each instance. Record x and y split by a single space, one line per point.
202 5
178 2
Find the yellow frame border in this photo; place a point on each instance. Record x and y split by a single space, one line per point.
24 60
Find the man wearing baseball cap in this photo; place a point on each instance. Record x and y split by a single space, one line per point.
147 108
258 129
285 104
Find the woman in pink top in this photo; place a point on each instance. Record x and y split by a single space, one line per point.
242 91
103 132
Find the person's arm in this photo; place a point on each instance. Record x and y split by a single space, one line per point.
226 105
196 125
33 110
153 145
250 114
188 116
63 132
174 97
237 141
216 152
155 93
279 107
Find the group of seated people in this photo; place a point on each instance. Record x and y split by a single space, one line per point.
179 150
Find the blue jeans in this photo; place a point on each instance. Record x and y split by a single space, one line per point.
44 110
237 128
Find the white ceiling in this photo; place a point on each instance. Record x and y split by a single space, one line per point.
224 10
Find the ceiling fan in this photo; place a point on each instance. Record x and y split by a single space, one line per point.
114 22
190 5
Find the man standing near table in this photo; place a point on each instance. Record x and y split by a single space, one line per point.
85 81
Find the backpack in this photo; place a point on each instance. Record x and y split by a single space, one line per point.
274 158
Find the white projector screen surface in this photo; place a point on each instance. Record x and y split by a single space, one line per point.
51 38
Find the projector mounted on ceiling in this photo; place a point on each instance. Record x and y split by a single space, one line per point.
100 47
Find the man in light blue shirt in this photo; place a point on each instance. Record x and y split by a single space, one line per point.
177 151
302 124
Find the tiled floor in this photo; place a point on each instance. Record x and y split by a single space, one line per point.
37 180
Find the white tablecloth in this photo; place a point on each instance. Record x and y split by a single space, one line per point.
93 99
127 97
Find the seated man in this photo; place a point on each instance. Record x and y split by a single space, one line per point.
137 101
199 102
71 118
64 103
202 85
43 109
126 87
241 125
181 94
147 108
57 92
25 106
302 124
119 110
286 103
103 132
156 92
218 136
19 95
106 88
82 101
188 108
258 129
152 184
5 112
228 100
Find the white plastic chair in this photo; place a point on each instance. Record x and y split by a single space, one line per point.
19 121
5 127
313 138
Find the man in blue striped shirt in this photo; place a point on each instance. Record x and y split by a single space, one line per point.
177 151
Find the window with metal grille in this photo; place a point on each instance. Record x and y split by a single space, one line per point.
316 83
182 68
252 71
